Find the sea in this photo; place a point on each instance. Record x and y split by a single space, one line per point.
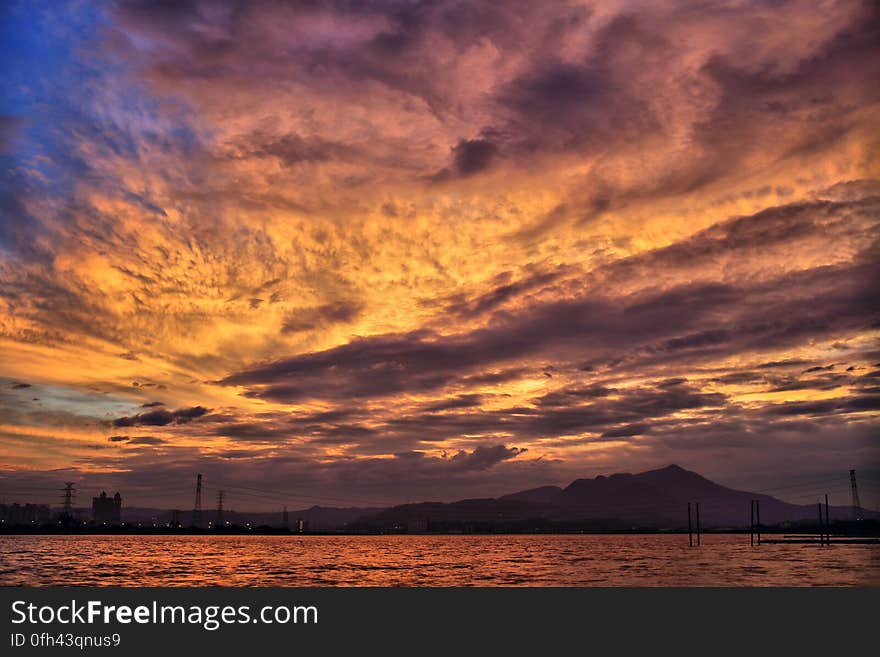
429 560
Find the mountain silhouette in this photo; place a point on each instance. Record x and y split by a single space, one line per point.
656 499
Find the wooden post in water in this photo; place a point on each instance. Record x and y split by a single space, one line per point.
821 527
827 522
752 523
758 519
825 526
698 523
690 532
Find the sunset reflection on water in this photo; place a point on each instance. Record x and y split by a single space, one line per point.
529 560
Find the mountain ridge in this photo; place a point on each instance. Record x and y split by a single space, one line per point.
652 499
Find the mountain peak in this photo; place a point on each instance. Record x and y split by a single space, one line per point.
672 469
655 498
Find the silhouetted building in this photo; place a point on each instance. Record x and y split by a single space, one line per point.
107 510
27 514
418 526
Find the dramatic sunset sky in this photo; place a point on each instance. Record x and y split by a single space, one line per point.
378 252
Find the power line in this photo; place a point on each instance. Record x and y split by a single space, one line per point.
286 495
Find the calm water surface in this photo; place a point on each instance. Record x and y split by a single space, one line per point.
568 560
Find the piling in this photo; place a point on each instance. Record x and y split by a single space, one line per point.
758 519
752 523
690 531
827 521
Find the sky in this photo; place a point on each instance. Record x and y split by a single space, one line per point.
358 253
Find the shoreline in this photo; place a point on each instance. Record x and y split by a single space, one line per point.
158 531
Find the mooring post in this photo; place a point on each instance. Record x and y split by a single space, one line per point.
825 526
690 531
752 523
698 523
827 523
821 527
758 519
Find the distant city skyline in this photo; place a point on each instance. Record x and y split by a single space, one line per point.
24 488
369 254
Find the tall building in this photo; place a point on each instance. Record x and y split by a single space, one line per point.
107 510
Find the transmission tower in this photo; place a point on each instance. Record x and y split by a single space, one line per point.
856 505
220 509
67 501
197 507
69 494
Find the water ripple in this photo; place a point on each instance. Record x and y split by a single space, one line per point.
542 560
